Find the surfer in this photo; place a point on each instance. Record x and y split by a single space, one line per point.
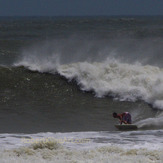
124 117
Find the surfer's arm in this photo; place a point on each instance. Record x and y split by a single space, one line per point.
125 122
120 119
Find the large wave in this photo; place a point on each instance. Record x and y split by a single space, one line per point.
125 82
121 68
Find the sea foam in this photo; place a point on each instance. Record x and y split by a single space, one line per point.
102 147
124 82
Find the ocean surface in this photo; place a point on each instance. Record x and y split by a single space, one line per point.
61 78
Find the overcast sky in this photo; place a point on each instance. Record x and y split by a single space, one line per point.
80 7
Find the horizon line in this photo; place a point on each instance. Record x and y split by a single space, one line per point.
122 15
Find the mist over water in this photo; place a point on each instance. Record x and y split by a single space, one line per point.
74 49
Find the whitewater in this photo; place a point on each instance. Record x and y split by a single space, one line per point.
120 80
83 147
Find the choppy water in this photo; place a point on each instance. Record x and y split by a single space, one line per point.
66 76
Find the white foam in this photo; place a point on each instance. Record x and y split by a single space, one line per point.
122 81
137 146
104 154
80 140
151 123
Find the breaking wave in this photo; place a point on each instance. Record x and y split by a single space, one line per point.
122 81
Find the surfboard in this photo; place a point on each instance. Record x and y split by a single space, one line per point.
126 127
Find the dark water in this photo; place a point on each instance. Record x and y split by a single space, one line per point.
37 95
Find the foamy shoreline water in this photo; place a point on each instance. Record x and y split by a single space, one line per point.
59 154
132 146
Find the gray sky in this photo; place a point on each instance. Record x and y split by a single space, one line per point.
80 7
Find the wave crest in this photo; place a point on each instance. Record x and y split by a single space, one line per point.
122 81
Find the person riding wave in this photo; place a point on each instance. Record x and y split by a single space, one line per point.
123 117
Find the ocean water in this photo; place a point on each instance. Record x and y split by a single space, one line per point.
61 78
